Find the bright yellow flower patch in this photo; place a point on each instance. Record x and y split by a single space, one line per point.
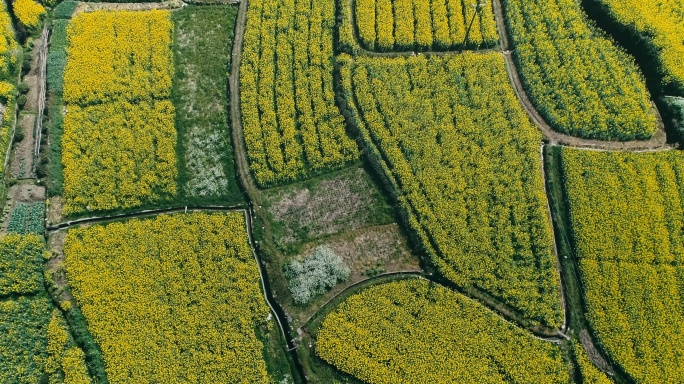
464 161
426 24
119 135
118 155
28 12
580 81
292 125
174 299
412 331
627 212
663 23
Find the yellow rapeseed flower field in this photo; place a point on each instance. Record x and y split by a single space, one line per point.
291 123
385 25
8 43
21 260
463 159
413 331
627 211
118 155
174 299
579 80
119 135
28 12
662 23
119 55
65 363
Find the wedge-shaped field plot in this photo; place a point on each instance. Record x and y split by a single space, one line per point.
415 331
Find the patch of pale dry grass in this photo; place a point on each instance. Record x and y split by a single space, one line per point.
345 202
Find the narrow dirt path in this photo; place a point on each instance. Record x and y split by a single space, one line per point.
241 160
254 195
42 88
559 266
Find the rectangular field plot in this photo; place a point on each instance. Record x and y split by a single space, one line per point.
203 41
119 136
627 211
172 299
118 56
385 25
579 81
291 124
118 155
464 162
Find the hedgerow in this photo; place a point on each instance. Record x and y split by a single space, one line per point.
579 80
187 300
627 211
463 161
56 62
414 331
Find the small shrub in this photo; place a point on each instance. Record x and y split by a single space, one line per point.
21 101
26 62
315 275
23 87
676 113
18 136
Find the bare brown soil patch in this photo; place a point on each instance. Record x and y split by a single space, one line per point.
367 252
594 355
21 161
53 210
344 202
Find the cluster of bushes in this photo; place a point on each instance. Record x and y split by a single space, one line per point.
315 274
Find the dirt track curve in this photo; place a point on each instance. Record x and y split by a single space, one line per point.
656 143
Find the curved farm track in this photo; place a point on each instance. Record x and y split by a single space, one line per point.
655 143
